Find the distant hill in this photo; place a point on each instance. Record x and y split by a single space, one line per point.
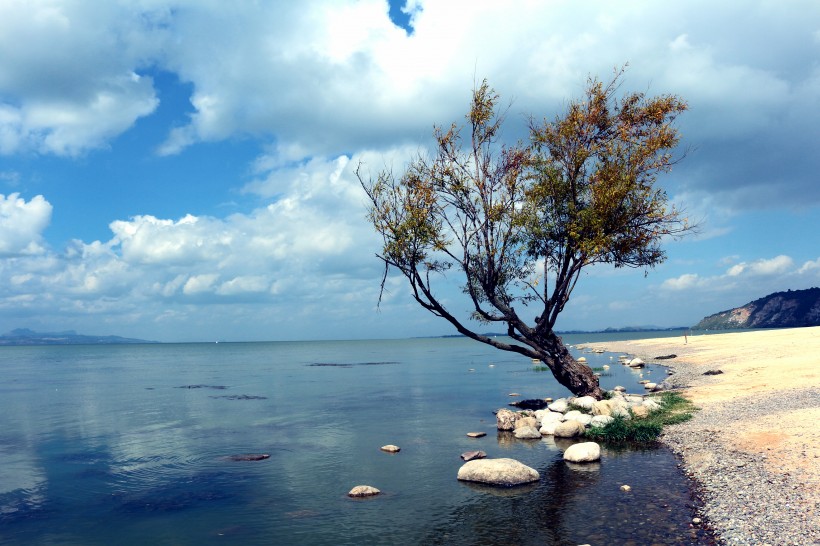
24 336
790 309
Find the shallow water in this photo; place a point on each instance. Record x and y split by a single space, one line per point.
131 445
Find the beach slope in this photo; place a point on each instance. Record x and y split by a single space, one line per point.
754 446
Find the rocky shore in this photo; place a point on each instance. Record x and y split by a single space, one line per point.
752 448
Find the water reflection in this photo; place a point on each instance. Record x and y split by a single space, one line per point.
99 445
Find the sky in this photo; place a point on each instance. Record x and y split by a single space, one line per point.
183 170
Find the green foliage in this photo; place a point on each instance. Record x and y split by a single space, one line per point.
674 409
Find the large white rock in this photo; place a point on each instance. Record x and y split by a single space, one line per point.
568 429
528 422
601 420
505 472
651 404
583 402
584 452
505 419
548 428
572 415
602 407
641 412
636 363
559 406
527 433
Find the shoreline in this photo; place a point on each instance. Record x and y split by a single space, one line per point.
753 448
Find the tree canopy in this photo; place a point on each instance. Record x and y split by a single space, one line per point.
521 221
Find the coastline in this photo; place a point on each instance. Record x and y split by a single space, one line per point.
753 448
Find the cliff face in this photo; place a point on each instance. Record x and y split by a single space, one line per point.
779 310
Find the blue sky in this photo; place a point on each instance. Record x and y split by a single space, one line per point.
183 170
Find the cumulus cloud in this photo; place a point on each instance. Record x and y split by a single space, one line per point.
774 266
62 91
309 251
328 79
22 224
756 277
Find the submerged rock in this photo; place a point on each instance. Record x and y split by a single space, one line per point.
471 455
248 457
503 472
390 448
476 434
530 404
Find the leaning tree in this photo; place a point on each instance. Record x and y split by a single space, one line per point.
521 221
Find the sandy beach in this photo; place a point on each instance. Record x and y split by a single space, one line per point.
754 446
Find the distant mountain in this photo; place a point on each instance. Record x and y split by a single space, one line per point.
790 309
24 336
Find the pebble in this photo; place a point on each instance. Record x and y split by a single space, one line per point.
744 503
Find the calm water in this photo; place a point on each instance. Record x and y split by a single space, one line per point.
129 444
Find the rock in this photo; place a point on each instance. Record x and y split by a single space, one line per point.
505 419
390 448
548 428
476 434
513 394
471 455
363 491
530 422
504 472
572 415
619 389
248 457
665 357
602 407
622 412
527 433
636 363
640 412
552 417
569 429
697 521
576 415
713 372
601 420
530 404
585 452
582 360
559 406
626 488
584 402
651 405
650 386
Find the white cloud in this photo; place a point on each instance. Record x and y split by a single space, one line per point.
69 73
774 266
22 224
684 282
809 267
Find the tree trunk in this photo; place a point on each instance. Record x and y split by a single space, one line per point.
578 378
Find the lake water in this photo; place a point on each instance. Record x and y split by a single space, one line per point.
131 444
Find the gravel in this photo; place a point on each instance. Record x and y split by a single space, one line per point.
744 502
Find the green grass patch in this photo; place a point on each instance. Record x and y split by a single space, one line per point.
674 409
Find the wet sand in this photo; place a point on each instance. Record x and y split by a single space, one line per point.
754 446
